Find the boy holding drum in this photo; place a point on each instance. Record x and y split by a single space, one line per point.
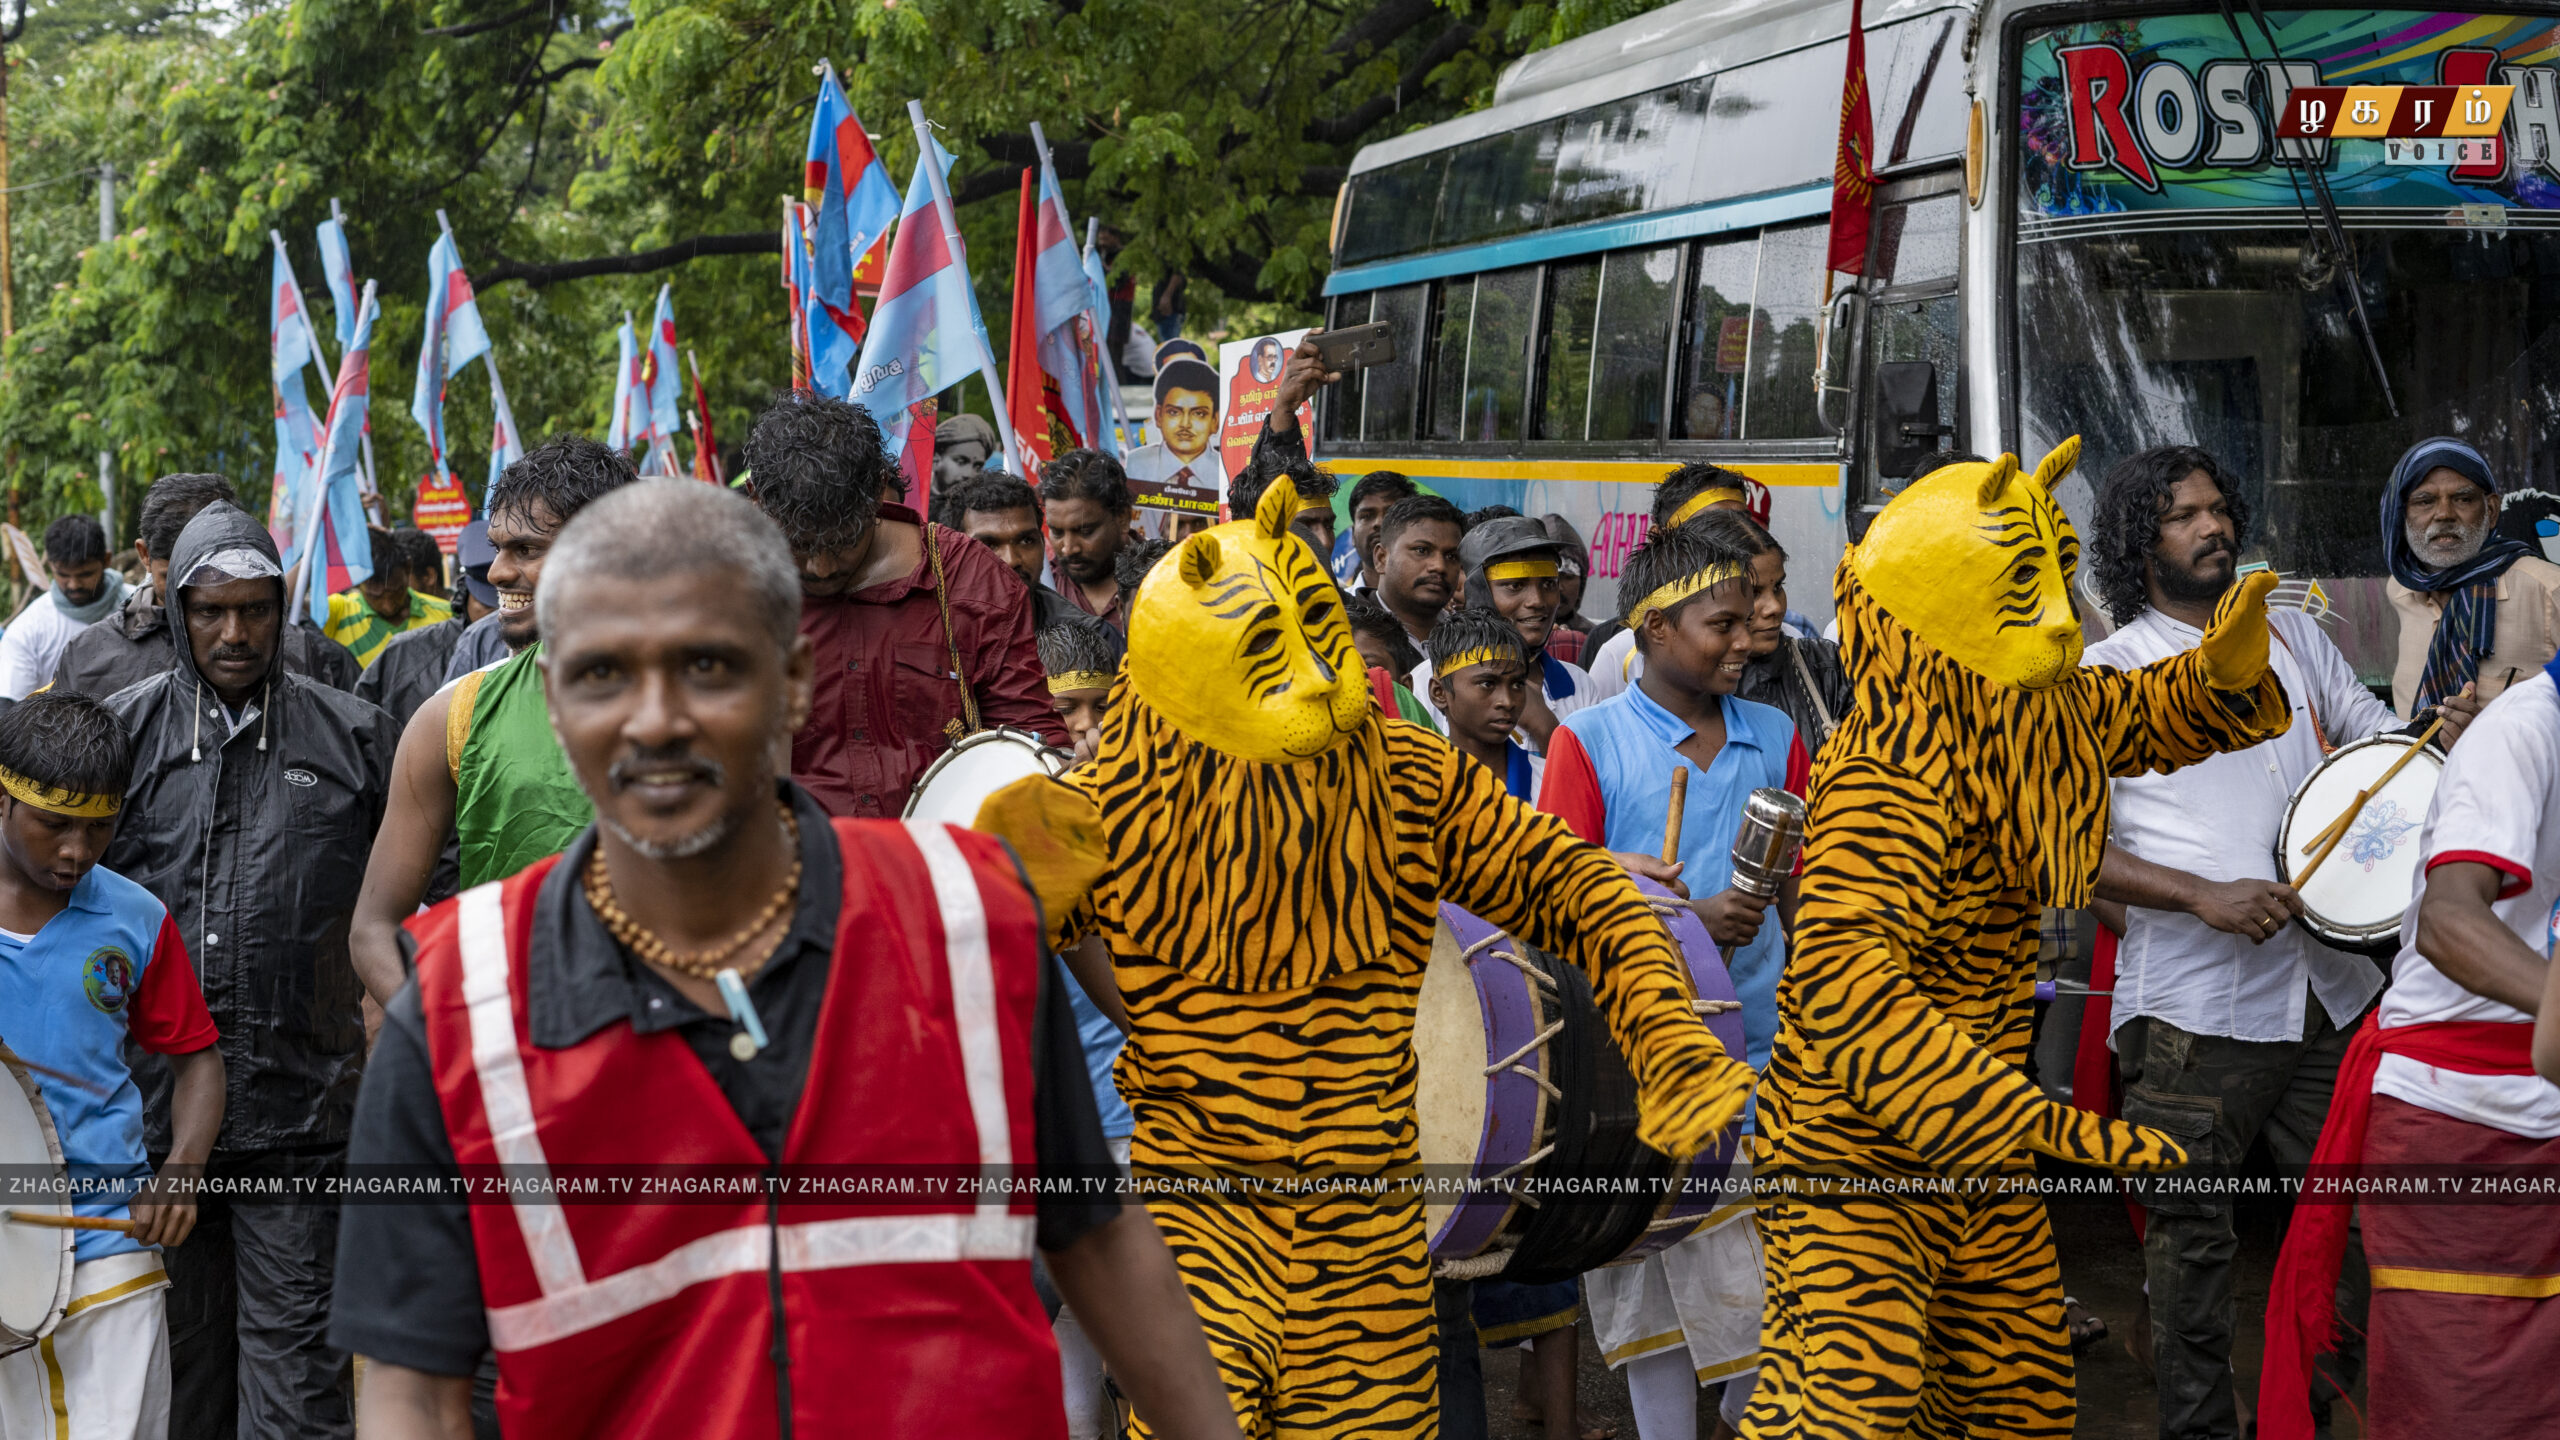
88 958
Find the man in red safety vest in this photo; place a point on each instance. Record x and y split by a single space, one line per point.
717 983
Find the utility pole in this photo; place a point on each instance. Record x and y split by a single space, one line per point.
106 237
8 274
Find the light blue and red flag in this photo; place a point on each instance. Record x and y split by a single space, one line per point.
340 549
851 206
1106 374
338 267
629 424
926 333
297 434
506 443
1069 352
662 379
795 285
454 338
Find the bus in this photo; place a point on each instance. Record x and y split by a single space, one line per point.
2084 225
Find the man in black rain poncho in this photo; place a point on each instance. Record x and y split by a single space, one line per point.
256 792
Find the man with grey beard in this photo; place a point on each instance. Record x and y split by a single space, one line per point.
2478 612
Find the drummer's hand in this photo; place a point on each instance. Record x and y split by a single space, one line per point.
1666 875
2458 712
164 1215
1088 745
2254 909
1732 918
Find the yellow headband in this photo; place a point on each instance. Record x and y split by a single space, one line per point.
1305 505
1519 569
1064 681
60 802
1684 587
1465 658
1690 507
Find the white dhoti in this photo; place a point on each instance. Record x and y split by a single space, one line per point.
103 1374
1703 1293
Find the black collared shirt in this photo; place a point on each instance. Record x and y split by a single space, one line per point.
408 1282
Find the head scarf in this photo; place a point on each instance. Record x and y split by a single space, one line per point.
2468 627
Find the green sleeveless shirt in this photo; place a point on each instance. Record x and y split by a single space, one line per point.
515 800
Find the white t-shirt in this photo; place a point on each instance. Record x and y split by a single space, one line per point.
1575 685
2498 804
33 645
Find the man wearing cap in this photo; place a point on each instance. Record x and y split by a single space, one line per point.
1181 472
2475 608
411 667
961 445
255 796
1511 568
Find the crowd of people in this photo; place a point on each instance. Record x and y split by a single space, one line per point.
539 866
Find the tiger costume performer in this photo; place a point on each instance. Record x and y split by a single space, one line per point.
1265 854
1965 791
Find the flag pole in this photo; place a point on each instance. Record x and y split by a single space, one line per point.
497 387
372 478
959 256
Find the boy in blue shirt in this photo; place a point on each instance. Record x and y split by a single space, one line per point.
88 959
1480 685
1687 595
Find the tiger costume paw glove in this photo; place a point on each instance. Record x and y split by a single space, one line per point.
2067 1133
1681 1112
1056 833
2235 645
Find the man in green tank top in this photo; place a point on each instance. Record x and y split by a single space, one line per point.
479 762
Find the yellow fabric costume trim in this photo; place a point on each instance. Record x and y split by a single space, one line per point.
1066 680
1691 508
1684 587
1465 659
57 799
1946 810
1519 569
2466 1282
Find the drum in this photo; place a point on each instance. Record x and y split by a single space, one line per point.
2354 901
35 1262
1517 1077
962 777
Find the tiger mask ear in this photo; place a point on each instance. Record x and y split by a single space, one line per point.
1995 481
1277 507
2057 465
1199 560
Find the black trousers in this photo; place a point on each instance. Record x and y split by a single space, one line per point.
249 1308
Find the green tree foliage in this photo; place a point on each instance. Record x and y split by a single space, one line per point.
588 151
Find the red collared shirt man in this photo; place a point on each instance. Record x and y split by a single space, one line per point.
890 698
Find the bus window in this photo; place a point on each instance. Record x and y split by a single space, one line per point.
1637 303
1640 153
1451 318
1718 345
1918 242
1573 304
1786 303
1498 185
1387 405
1392 209
1480 355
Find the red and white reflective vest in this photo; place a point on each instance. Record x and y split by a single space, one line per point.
649 1320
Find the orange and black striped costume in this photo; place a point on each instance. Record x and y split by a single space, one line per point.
1946 811
1270 925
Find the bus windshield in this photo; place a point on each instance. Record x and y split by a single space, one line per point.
2175 279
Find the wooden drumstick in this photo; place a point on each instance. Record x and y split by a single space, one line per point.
2335 828
71 1222
1671 824
66 1077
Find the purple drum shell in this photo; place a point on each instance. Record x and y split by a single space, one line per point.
1701 1179
1514 1109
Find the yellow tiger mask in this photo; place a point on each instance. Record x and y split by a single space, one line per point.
1240 642
1965 535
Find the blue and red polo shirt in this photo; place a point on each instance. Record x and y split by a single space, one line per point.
110 965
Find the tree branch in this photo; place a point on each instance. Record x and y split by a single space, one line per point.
592 62
1381 27
1240 281
552 272
482 27
1345 128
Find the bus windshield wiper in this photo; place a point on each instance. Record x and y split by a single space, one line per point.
2327 218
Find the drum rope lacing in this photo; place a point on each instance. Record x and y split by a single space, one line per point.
1666 909
1506 1176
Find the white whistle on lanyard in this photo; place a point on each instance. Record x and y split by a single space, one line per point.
750 1038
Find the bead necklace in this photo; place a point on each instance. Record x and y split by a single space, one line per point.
699 964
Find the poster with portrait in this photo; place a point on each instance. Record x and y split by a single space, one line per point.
1178 474
1250 369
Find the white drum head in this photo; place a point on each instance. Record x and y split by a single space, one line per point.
35 1262
980 765
1449 1056
2360 892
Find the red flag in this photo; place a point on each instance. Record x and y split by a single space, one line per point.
1853 173
706 450
915 462
1039 413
